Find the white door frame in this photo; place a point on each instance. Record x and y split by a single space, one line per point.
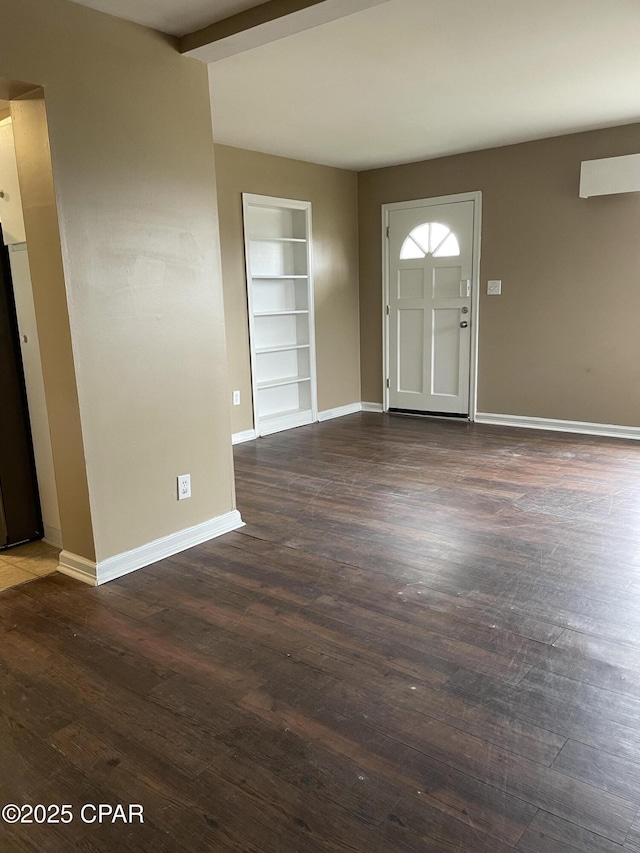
476 198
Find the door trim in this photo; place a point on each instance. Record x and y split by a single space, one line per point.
476 198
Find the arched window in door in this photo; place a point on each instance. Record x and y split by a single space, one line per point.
430 238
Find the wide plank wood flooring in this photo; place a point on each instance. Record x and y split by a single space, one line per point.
426 638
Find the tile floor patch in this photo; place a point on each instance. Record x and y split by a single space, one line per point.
26 563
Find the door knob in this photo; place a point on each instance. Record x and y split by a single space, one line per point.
463 324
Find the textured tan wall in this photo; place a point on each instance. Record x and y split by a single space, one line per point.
562 340
136 199
333 194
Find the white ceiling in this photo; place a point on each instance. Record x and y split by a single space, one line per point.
414 79
176 17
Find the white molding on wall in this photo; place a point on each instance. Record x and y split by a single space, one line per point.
129 561
579 427
245 435
77 567
340 411
53 536
326 415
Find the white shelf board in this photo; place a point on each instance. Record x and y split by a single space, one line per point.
277 383
286 414
278 313
277 240
276 277
284 420
281 348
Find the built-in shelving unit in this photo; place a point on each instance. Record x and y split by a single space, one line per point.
280 301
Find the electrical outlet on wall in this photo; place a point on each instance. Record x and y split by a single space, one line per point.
184 486
236 398
494 287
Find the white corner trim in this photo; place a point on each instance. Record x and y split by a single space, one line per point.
247 435
52 536
580 427
121 564
340 411
77 567
372 407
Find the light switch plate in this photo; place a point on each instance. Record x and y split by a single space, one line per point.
494 287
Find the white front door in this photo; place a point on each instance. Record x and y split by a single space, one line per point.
430 257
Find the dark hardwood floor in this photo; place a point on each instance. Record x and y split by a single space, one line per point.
426 638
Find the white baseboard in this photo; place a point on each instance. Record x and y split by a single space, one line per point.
52 536
247 435
340 411
580 427
77 567
326 415
129 561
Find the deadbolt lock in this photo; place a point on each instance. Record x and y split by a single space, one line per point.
464 309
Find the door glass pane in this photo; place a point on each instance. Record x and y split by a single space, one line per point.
410 250
430 238
421 236
438 233
449 248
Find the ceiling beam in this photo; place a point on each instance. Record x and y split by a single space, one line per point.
10 89
265 23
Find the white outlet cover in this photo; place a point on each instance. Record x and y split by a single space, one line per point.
184 487
236 398
494 287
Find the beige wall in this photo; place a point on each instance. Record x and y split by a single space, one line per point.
133 167
333 194
562 340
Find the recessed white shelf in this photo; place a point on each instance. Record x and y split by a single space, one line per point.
275 277
278 313
282 348
285 414
276 383
280 298
277 240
